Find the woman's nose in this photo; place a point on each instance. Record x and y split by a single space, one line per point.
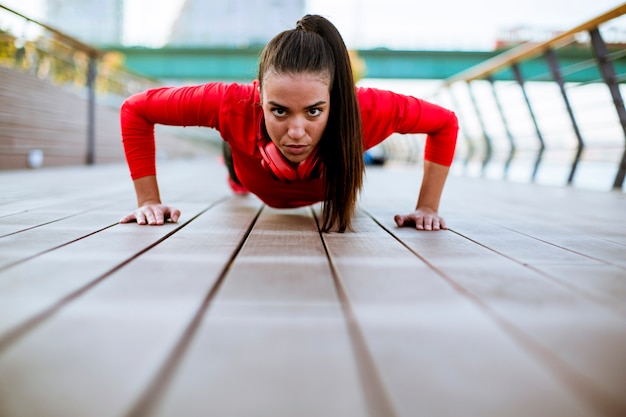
296 128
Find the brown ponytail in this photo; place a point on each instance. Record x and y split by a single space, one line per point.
315 46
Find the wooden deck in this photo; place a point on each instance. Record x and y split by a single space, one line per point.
243 310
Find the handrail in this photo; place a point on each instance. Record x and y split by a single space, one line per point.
64 60
513 60
531 50
70 40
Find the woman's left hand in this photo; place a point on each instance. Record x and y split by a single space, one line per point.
421 219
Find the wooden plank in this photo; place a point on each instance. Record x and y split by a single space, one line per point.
587 245
274 341
586 264
582 343
80 208
157 334
587 212
66 257
69 190
587 224
72 189
50 188
96 354
18 247
430 343
604 283
29 219
578 340
585 216
30 289
283 261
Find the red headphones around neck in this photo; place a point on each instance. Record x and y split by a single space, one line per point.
277 165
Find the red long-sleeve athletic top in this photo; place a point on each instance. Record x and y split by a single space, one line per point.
234 110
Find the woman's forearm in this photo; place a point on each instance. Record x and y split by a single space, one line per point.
147 190
432 185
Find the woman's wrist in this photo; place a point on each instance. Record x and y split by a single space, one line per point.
147 190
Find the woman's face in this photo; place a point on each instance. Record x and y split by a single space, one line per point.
296 109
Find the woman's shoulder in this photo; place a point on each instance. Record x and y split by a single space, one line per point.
375 99
241 91
215 90
240 100
211 91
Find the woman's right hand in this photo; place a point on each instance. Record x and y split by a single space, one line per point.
152 214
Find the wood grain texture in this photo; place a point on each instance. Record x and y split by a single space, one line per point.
103 348
429 341
241 309
274 341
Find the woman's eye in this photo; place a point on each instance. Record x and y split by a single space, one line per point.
315 112
278 112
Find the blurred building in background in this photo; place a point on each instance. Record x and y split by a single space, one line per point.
95 22
234 23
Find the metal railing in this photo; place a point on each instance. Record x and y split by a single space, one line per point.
51 55
549 113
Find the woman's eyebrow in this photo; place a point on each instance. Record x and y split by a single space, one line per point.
319 103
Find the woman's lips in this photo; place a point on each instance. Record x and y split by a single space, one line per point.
296 149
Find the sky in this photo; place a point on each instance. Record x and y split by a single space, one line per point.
396 24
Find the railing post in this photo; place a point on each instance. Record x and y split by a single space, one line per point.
610 78
488 148
520 80
91 109
553 63
509 135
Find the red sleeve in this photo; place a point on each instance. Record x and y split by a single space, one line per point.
176 106
384 112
